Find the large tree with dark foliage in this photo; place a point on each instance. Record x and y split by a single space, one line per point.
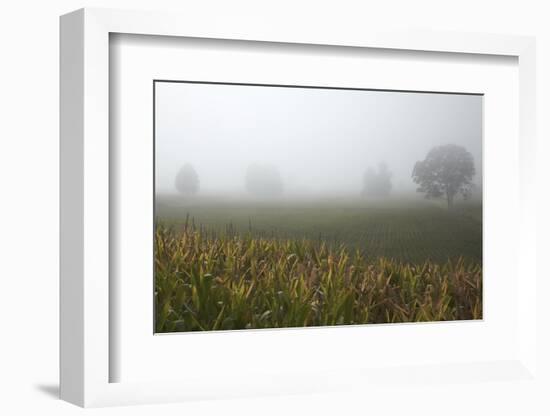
447 171
187 180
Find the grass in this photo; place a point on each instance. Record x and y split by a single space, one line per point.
405 230
220 278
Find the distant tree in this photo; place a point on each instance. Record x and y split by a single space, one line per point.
447 171
369 179
187 180
377 183
384 179
263 180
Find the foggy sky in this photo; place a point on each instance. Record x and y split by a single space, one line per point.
322 141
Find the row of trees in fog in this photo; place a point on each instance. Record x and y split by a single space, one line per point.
446 171
377 183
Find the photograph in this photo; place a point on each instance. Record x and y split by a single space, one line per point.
288 206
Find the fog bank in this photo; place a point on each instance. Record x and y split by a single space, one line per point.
321 141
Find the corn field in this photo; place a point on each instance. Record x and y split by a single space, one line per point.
209 280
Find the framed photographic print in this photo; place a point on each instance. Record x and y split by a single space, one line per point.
288 206
269 211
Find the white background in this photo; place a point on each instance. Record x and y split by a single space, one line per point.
29 210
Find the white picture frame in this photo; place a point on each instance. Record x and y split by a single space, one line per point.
85 352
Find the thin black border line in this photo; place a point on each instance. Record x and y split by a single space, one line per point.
315 87
154 206
244 84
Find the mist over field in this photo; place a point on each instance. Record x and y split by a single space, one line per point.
292 207
320 141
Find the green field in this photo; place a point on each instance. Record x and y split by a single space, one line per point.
222 264
407 230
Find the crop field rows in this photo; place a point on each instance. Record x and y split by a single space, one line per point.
222 282
410 232
241 265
